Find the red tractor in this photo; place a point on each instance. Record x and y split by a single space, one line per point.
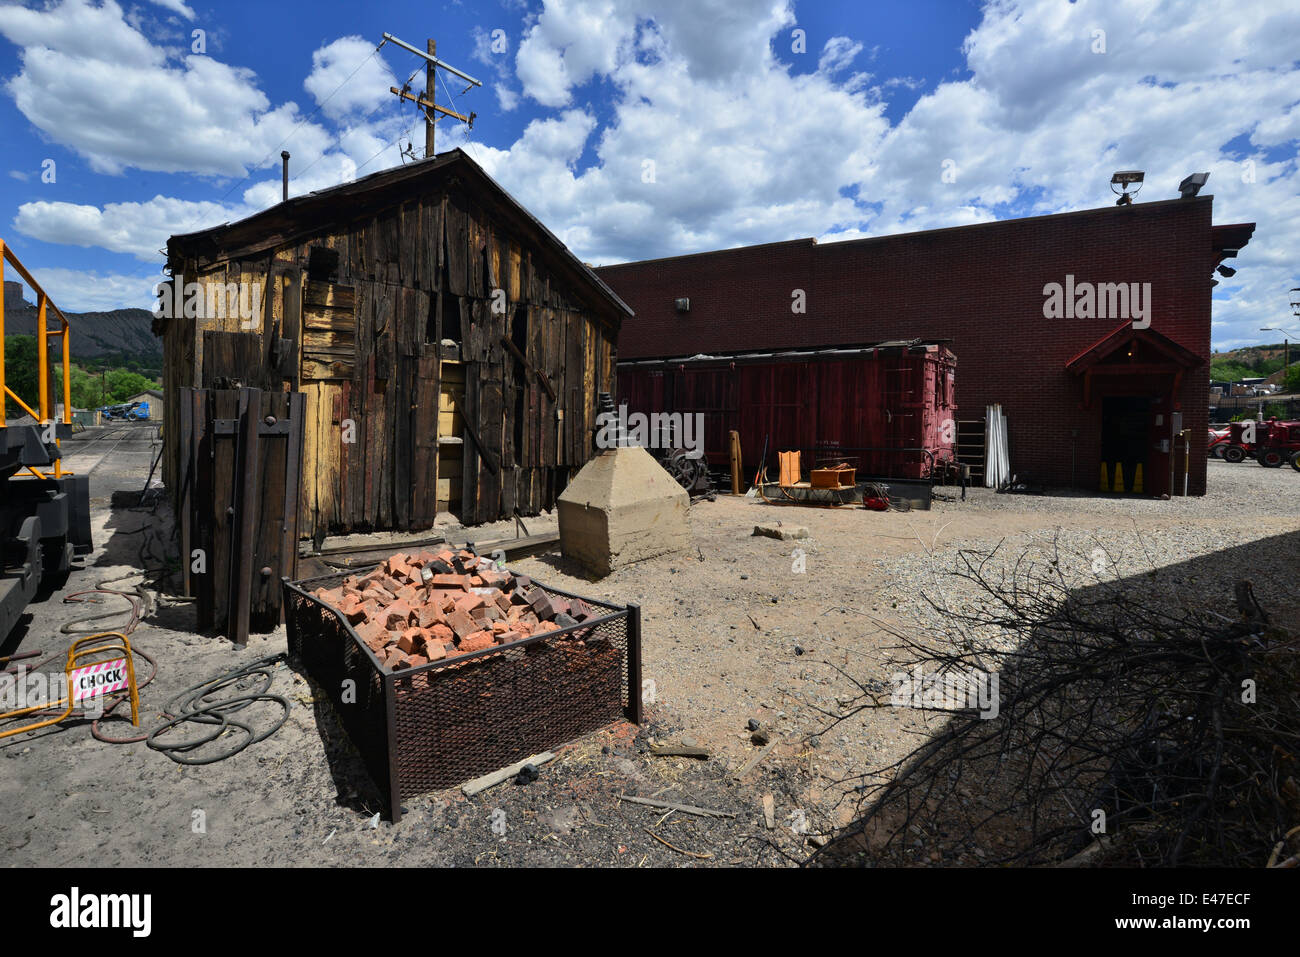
1272 443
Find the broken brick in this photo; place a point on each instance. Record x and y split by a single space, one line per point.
478 641
397 615
411 639
462 624
470 602
541 603
506 637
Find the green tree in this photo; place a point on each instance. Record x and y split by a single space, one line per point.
1293 379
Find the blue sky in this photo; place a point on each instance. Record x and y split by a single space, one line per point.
639 128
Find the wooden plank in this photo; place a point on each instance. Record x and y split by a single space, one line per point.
492 422
424 441
247 514
185 401
220 491
293 321
403 436
468 410
271 500
325 295
456 242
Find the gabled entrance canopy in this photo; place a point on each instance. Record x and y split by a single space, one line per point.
1133 352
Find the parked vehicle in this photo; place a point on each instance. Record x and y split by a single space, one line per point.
131 411
1275 443
1220 439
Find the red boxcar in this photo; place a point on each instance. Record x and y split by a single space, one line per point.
888 409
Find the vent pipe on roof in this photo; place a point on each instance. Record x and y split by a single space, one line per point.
284 176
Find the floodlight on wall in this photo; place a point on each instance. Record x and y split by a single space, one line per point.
1190 186
1124 179
1295 301
1227 272
682 305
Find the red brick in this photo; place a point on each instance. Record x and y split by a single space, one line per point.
397 615
478 641
411 639
433 648
442 633
541 603
429 615
449 581
462 624
505 637
469 602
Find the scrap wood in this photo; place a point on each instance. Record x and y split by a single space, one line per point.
749 765
471 788
679 751
669 805
680 850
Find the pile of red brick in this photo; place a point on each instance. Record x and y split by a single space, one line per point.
414 609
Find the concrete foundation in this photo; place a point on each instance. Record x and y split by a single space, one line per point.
622 508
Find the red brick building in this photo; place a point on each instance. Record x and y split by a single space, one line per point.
1098 382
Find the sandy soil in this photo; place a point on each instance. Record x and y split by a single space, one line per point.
740 627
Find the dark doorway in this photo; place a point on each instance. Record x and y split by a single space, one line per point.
1124 439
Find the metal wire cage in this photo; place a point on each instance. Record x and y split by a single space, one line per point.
448 721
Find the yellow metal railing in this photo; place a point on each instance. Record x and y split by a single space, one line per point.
43 413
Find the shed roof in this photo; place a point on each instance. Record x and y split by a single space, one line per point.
301 216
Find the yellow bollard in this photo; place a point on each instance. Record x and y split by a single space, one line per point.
1137 478
1119 477
1105 478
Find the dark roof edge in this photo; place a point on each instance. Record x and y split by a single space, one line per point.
863 240
781 352
397 175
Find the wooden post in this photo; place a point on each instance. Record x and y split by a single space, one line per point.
244 531
430 79
735 463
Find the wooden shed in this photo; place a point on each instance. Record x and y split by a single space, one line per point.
449 347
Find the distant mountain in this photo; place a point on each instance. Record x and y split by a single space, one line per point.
121 332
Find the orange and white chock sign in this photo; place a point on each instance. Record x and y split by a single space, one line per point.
100 678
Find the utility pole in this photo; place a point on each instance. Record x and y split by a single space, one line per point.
430 78
428 101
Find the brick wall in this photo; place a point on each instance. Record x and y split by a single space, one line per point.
980 286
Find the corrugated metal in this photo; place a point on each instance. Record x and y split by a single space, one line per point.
869 406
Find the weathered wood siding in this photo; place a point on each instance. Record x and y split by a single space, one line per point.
363 345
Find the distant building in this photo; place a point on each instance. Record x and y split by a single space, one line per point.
1081 387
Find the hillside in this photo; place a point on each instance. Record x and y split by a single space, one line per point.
119 333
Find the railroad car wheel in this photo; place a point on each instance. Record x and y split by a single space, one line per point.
1234 454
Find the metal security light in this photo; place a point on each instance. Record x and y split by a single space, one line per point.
1295 301
1227 272
1190 186
1124 179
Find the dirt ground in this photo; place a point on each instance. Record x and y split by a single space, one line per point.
738 628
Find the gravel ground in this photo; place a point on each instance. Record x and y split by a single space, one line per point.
740 627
